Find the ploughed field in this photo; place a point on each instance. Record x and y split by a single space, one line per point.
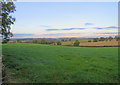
36 63
86 43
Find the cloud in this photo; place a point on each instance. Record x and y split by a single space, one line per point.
89 24
52 29
108 33
65 29
22 35
60 34
45 26
110 27
99 28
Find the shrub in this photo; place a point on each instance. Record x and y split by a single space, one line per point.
89 41
106 39
110 38
76 43
62 40
43 41
58 43
17 41
95 39
117 38
52 42
35 41
101 39
69 39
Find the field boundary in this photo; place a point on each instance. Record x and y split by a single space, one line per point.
90 46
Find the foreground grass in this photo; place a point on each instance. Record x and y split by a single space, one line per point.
35 63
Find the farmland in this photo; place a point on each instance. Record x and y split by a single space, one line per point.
36 63
67 42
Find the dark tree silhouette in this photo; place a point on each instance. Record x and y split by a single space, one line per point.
7 20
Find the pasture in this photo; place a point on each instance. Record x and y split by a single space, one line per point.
36 63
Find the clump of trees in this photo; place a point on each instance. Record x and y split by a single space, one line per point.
117 38
76 43
110 38
89 41
95 40
105 39
52 42
101 39
43 41
59 43
62 40
17 41
35 41
70 39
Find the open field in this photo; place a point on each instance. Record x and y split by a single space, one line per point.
86 43
72 41
36 63
100 43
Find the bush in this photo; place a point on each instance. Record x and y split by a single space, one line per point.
17 41
117 38
106 39
95 39
62 40
43 41
110 38
69 39
89 41
102 39
52 42
58 43
76 43
35 41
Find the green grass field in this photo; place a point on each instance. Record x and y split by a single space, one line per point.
35 63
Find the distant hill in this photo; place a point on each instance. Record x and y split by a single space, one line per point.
51 39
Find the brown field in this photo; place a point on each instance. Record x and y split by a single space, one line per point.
99 43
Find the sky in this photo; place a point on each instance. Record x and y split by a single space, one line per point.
65 19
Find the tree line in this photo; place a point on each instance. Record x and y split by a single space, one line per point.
105 39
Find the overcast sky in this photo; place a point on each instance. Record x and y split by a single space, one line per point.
65 19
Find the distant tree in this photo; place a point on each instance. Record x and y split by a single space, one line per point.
89 41
52 42
35 41
69 39
46 43
43 41
117 38
110 38
62 40
7 20
17 41
106 39
101 39
95 40
76 43
58 43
